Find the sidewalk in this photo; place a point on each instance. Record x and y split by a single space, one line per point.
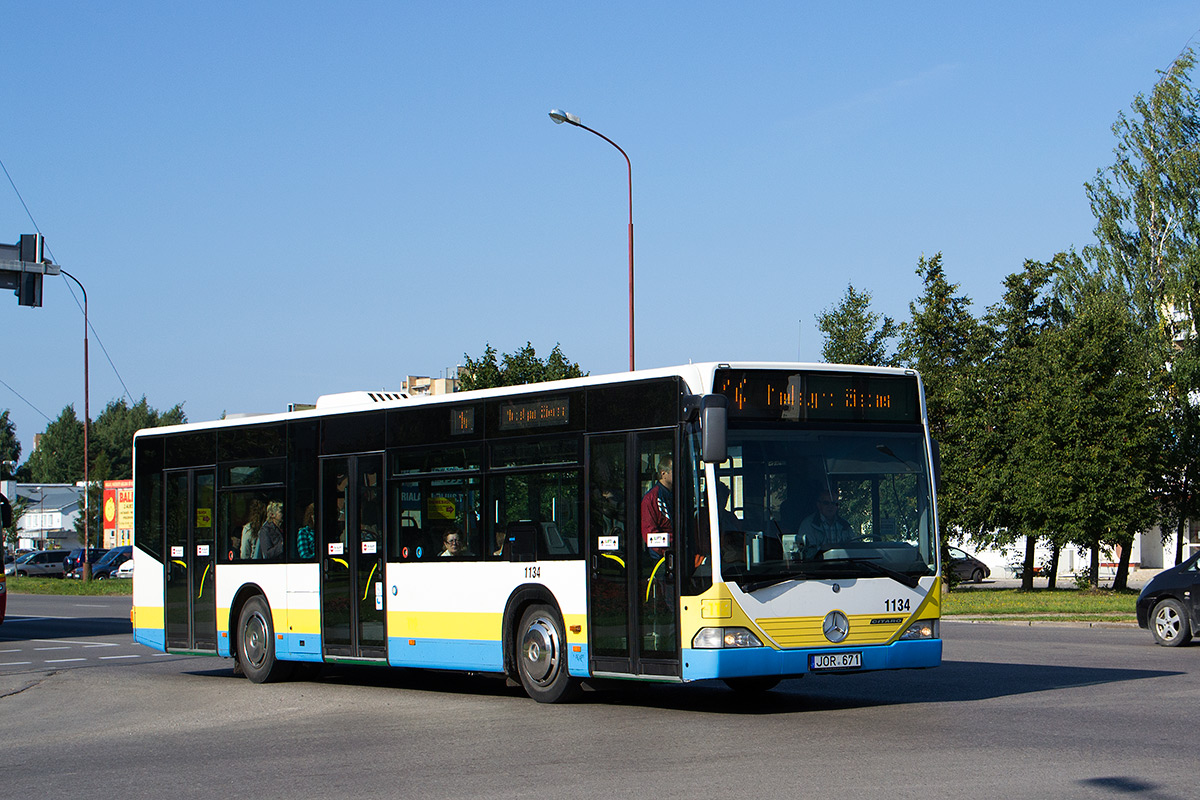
1137 579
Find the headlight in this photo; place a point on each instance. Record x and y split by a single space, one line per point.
716 638
922 629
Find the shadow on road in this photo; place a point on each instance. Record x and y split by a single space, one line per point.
953 682
26 628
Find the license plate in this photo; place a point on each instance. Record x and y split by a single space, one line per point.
835 661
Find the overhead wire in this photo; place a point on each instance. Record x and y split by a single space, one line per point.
91 326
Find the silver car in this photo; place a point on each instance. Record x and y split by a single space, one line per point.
47 563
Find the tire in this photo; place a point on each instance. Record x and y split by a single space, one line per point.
977 576
541 656
1169 624
756 685
256 643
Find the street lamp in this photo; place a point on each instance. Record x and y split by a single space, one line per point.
559 116
85 570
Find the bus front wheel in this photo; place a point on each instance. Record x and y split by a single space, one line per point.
256 643
542 656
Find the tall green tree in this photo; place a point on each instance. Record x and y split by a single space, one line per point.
10 447
112 433
1147 209
941 340
516 368
58 456
1091 445
994 417
854 334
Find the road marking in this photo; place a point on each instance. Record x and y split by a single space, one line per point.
63 660
101 644
10 651
50 648
15 663
109 658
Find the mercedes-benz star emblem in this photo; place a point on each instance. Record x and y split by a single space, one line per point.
836 626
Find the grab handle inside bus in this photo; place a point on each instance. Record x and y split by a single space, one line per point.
713 424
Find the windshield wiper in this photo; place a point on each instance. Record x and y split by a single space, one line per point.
774 580
879 569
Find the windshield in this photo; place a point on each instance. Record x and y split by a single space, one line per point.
824 504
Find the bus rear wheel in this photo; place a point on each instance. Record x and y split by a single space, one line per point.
256 644
541 656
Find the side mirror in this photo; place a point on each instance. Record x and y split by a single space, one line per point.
714 423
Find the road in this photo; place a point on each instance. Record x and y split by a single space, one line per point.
1013 712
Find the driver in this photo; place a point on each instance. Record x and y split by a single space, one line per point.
822 528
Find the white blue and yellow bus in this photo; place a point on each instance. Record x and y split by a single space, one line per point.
742 522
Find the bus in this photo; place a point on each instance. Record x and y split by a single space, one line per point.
743 522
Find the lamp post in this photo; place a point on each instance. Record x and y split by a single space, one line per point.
85 567
559 116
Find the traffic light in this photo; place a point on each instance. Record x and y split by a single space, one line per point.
29 284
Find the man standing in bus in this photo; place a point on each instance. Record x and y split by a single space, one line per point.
657 505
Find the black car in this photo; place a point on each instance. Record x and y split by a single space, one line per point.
1169 605
966 566
73 561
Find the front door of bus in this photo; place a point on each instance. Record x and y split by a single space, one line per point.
191 548
353 621
632 554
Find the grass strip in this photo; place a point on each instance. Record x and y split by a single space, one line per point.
65 586
1067 605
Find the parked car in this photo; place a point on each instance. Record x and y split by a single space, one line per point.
73 561
41 562
1169 604
106 565
966 566
125 570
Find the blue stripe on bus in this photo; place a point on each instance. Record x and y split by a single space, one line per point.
483 655
151 637
751 661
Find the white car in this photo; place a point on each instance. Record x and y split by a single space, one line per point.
125 570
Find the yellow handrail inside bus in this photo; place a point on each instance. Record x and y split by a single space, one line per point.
202 577
368 589
653 572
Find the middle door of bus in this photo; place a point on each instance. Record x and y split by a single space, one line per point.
353 606
633 552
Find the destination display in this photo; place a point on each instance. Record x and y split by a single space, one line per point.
544 413
819 396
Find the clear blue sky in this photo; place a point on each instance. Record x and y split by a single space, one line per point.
271 201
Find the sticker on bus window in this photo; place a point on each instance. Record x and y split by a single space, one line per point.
378 596
336 548
176 552
609 543
368 548
202 550
203 517
658 540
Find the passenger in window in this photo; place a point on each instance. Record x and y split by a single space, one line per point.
501 540
453 544
270 535
306 537
657 505
254 520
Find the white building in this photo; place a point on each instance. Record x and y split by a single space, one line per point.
50 513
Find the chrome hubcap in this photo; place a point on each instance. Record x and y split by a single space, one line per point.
539 648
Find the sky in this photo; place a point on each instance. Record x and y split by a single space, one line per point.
271 201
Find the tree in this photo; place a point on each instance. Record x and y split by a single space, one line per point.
58 457
994 417
854 334
514 369
10 448
112 434
1148 238
941 341
1092 443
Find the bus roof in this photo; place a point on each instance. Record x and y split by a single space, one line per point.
698 376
